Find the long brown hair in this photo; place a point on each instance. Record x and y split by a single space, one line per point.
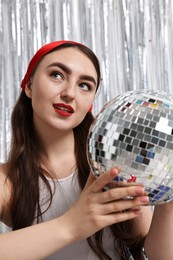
25 162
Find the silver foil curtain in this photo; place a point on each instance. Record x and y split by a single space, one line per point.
132 38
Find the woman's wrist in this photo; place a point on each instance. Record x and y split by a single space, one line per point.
66 229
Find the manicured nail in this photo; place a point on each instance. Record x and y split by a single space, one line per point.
139 190
113 172
144 199
138 211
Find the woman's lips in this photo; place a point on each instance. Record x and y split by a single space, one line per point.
63 109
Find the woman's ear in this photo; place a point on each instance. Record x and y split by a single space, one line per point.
28 89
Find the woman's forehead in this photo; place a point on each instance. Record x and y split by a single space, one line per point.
66 52
70 57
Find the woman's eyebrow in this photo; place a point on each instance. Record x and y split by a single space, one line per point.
89 78
69 71
61 66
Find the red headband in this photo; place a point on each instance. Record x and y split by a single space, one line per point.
38 55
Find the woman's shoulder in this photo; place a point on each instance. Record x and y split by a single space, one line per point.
5 194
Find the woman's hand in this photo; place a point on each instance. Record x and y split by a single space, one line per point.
96 209
93 211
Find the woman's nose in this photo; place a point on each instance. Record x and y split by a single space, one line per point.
69 91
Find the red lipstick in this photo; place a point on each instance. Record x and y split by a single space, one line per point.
63 109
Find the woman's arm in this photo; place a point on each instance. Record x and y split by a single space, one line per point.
35 242
158 244
142 224
93 211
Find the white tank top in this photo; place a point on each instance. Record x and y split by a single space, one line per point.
66 192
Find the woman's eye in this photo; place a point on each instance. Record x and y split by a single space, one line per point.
56 75
85 86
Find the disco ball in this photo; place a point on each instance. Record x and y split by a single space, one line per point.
135 132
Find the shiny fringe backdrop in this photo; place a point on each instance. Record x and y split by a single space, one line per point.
132 38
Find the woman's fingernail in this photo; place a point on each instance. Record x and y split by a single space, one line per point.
139 190
114 172
144 199
138 211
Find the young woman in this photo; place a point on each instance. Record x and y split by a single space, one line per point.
56 208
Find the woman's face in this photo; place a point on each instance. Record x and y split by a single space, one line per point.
62 89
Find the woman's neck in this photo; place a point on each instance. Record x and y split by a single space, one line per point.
59 153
